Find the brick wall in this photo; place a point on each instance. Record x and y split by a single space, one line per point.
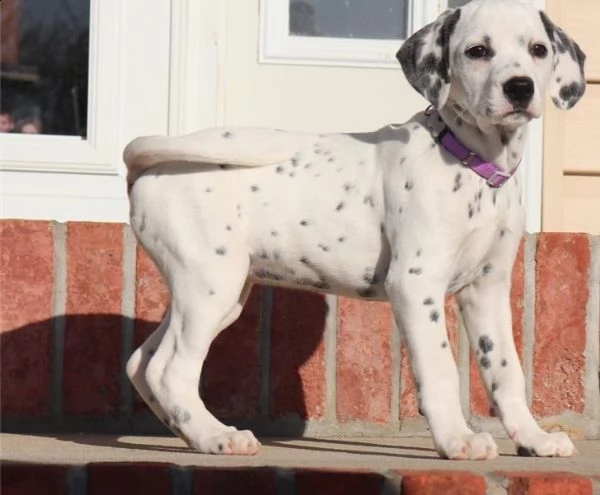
77 298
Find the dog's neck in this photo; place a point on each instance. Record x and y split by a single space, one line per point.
496 144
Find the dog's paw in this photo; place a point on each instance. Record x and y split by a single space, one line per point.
231 442
471 447
548 445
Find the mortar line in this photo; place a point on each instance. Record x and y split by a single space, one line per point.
464 367
396 371
181 479
265 333
592 348
529 313
59 307
77 480
127 317
285 481
330 338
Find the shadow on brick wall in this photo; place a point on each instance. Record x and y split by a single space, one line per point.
66 374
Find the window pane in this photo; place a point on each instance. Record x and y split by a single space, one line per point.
44 66
457 3
364 19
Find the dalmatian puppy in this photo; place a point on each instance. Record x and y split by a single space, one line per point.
407 213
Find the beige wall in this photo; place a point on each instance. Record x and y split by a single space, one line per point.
311 98
571 194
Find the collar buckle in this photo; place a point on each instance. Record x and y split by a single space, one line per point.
498 178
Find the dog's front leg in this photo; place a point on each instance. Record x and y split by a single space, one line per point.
417 297
485 307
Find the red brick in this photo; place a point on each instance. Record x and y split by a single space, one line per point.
364 361
562 270
231 375
241 481
548 484
27 479
316 482
151 297
93 327
297 354
129 479
27 274
151 302
480 404
438 482
409 406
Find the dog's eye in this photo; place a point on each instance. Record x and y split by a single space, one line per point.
539 50
478 51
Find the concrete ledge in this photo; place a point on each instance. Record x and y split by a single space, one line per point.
81 464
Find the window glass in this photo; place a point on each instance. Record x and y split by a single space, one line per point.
363 19
44 66
457 3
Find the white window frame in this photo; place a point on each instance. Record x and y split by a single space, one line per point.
277 46
69 178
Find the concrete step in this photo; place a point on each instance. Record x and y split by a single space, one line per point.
88 464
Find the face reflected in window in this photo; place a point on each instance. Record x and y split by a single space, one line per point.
44 50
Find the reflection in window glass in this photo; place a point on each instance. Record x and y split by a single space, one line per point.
363 19
44 66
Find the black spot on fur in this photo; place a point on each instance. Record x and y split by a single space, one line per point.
208 190
494 387
227 135
370 277
323 247
280 169
471 210
368 200
367 292
503 363
211 292
228 227
221 251
304 223
457 182
180 416
304 260
274 233
409 185
341 239
428 301
485 344
415 271
340 206
348 187
487 269
434 316
485 362
526 451
444 344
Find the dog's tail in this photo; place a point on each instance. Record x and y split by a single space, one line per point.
249 147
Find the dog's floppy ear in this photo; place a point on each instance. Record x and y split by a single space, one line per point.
568 80
425 58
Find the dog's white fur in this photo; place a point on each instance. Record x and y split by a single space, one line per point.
382 215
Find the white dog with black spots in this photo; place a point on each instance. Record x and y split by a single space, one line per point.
407 213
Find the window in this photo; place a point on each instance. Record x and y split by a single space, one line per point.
384 19
339 32
44 66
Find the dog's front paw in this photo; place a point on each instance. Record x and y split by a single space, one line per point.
227 443
548 445
474 447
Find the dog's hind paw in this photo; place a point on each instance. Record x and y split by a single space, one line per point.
227 443
548 445
471 447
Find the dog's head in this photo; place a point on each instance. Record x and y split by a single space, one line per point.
496 59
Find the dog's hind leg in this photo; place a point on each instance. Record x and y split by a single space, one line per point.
139 360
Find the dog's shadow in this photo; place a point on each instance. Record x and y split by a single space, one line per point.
67 374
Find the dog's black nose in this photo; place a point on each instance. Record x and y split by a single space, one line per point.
519 91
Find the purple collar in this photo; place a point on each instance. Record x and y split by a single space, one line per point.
492 173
